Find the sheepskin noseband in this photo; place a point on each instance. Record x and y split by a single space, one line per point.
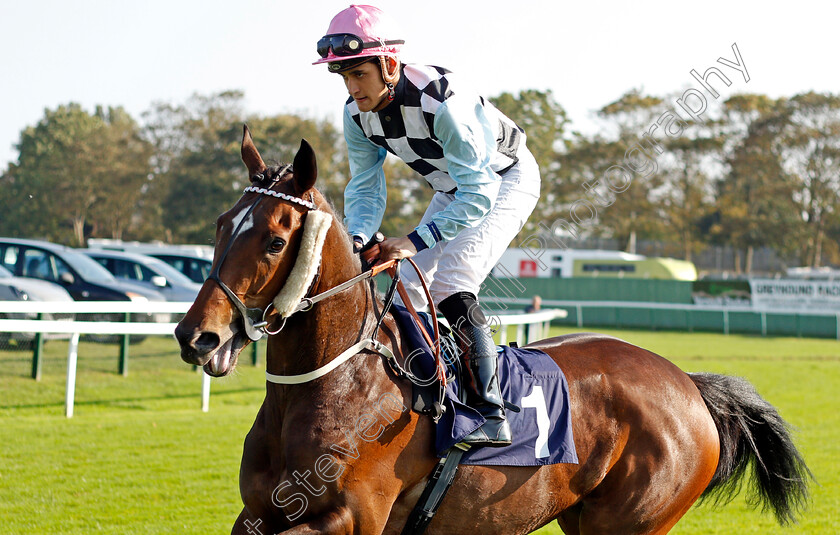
306 265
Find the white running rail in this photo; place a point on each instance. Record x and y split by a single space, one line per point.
537 323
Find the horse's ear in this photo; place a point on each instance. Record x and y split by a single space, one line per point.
306 170
251 156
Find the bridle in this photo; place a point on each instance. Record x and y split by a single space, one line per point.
255 320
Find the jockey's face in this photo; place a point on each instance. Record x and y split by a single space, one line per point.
365 84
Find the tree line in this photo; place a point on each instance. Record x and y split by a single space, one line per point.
757 172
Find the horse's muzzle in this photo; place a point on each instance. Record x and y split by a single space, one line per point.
205 348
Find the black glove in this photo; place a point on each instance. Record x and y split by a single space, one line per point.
377 238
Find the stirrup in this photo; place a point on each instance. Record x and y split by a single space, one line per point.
494 433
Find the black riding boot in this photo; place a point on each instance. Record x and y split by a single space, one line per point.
478 354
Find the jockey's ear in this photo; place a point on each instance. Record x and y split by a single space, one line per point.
393 66
306 170
251 156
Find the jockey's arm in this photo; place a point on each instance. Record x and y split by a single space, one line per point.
365 194
466 133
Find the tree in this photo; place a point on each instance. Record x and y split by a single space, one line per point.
755 197
544 121
687 199
199 172
15 204
75 170
626 212
811 151
116 213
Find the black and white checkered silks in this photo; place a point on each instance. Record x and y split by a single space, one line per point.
462 263
410 135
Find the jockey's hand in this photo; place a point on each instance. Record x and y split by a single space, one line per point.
395 249
369 257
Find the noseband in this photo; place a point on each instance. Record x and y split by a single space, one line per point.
255 320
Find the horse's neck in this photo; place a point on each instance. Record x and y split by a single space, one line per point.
314 338
311 339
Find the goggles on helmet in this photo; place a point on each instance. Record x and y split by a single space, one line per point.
346 44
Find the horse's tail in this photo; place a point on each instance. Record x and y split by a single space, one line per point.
751 431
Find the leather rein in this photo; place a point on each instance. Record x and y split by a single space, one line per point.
256 322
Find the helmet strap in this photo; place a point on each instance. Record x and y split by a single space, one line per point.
389 78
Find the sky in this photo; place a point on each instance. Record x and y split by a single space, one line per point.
588 53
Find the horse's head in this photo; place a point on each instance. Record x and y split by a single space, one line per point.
267 251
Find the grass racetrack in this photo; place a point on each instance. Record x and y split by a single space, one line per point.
140 457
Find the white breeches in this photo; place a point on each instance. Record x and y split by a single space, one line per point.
462 264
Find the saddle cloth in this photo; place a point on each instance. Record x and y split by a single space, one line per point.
529 378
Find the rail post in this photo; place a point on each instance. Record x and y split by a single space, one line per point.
38 353
70 392
205 392
124 342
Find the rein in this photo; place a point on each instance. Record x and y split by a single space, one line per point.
255 320
371 342
307 302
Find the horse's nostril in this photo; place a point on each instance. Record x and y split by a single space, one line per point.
182 335
206 341
202 341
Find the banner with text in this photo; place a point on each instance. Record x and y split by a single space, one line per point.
780 293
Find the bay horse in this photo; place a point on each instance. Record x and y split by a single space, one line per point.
342 453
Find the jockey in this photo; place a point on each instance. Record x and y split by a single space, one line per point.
486 184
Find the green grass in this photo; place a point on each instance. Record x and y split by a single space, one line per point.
140 457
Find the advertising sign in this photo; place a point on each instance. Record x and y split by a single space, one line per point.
527 268
798 294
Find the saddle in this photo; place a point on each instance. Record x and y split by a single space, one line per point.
433 368
542 436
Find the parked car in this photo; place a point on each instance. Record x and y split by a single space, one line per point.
194 261
149 271
196 267
21 289
82 277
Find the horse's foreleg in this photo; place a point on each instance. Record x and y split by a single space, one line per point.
246 524
337 522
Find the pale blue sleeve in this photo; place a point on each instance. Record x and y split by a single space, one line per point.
365 195
469 145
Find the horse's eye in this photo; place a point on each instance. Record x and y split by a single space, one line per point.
276 245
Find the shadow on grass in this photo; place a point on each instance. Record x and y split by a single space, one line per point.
116 401
19 363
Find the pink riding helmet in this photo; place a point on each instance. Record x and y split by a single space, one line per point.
368 23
